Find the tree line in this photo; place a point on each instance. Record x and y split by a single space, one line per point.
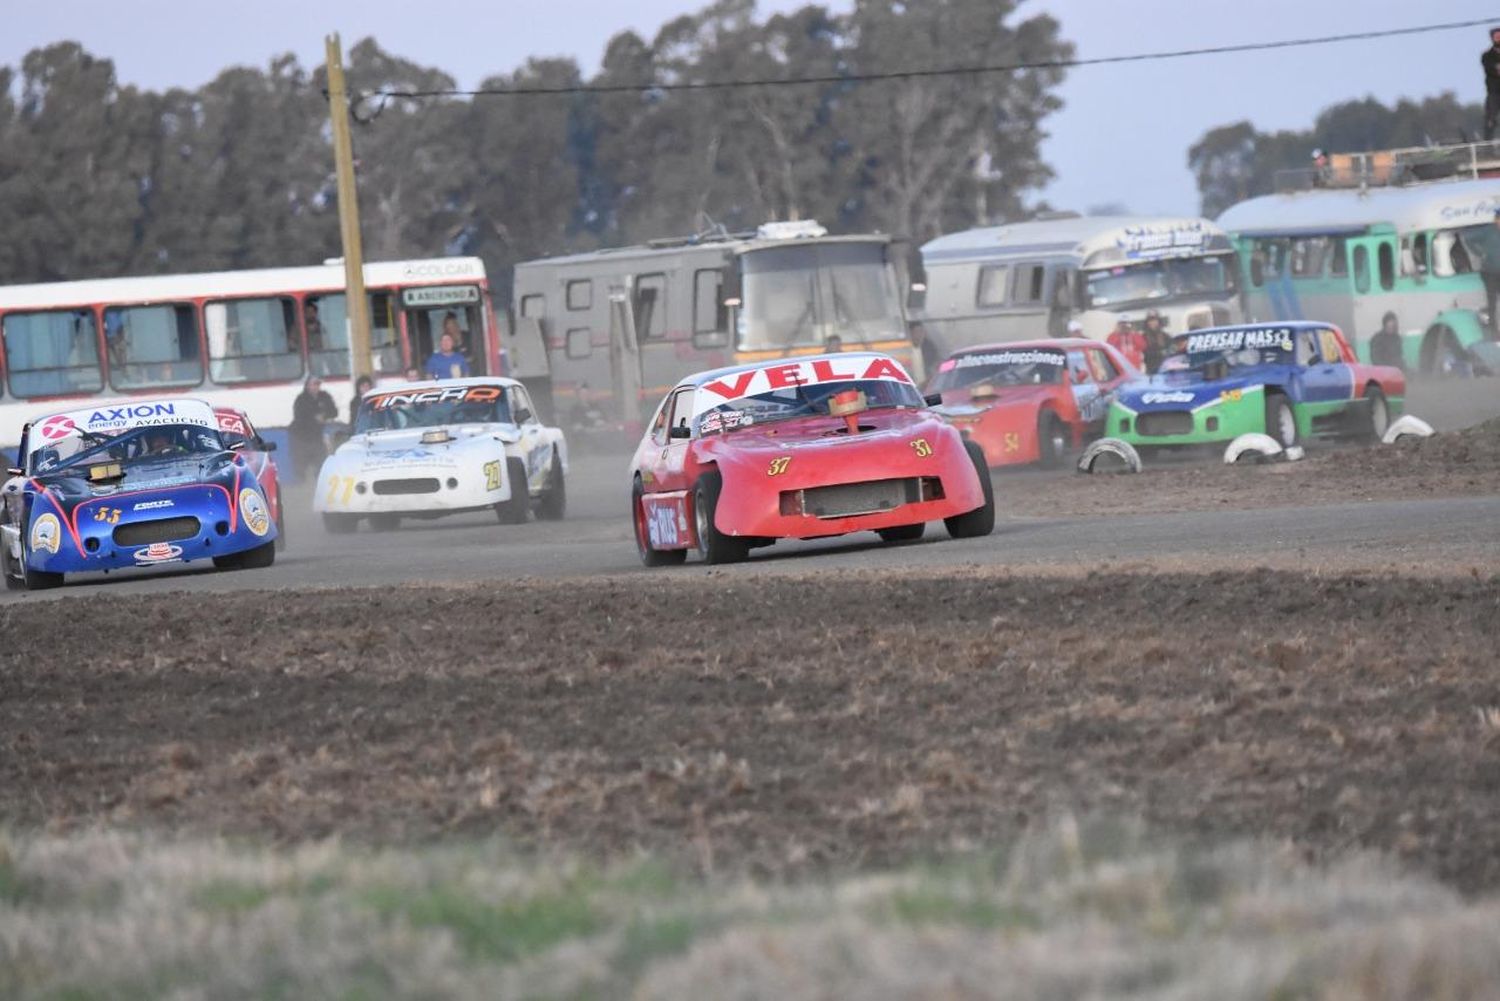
100 179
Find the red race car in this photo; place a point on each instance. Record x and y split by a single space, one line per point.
235 427
823 445
1030 401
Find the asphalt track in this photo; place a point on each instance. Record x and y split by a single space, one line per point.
1454 535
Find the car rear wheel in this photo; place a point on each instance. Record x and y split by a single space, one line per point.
1377 414
1281 420
513 511
649 556
340 524
981 520
553 503
902 533
715 546
1052 440
13 579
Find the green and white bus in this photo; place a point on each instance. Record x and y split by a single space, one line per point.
1348 256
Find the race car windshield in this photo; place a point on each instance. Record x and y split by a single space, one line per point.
1183 361
398 411
808 400
1001 368
131 447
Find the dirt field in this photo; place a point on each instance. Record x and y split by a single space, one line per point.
809 722
1449 464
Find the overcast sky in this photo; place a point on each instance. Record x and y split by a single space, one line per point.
1122 137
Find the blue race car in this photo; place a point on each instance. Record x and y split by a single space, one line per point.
134 484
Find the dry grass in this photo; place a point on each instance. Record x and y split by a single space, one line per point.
1103 911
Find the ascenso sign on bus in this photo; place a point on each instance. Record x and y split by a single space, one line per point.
440 295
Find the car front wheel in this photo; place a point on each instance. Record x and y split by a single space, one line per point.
1281 420
714 545
981 520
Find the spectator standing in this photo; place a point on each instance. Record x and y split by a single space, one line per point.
1158 342
362 385
312 408
1129 342
1385 346
1490 60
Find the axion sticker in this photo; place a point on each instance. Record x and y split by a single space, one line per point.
1234 340
1056 358
46 534
755 381
158 552
253 510
446 394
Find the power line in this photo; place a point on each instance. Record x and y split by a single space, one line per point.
916 74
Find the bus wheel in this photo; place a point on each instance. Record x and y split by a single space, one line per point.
1442 355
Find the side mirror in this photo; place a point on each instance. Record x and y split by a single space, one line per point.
236 446
523 415
266 446
16 471
916 297
680 431
933 399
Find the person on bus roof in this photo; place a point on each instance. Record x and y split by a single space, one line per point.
446 362
1490 60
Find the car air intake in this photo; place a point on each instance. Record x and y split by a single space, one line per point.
1164 422
869 497
143 533
415 485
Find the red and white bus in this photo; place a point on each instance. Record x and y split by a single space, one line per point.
244 339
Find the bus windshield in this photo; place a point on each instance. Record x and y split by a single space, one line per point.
1160 281
808 295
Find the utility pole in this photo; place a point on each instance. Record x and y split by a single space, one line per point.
357 302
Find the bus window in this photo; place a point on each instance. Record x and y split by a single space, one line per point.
1030 279
651 307
579 343
1450 254
1387 260
425 328
991 290
580 294
1338 259
1361 268
51 354
709 314
1309 256
152 346
534 306
253 340
326 320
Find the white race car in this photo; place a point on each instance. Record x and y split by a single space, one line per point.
426 449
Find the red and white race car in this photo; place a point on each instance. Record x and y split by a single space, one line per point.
820 446
235 428
1030 401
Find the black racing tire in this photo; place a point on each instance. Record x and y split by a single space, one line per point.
553 504
1377 415
340 524
258 558
514 511
13 579
649 556
714 545
385 522
981 520
1281 420
902 533
1052 440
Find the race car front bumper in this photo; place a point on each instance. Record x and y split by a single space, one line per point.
1214 422
417 489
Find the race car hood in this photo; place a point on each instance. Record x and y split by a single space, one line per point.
959 402
72 486
877 429
380 448
1179 390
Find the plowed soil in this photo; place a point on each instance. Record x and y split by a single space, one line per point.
773 725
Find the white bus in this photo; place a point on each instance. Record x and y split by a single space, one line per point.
1029 279
245 339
